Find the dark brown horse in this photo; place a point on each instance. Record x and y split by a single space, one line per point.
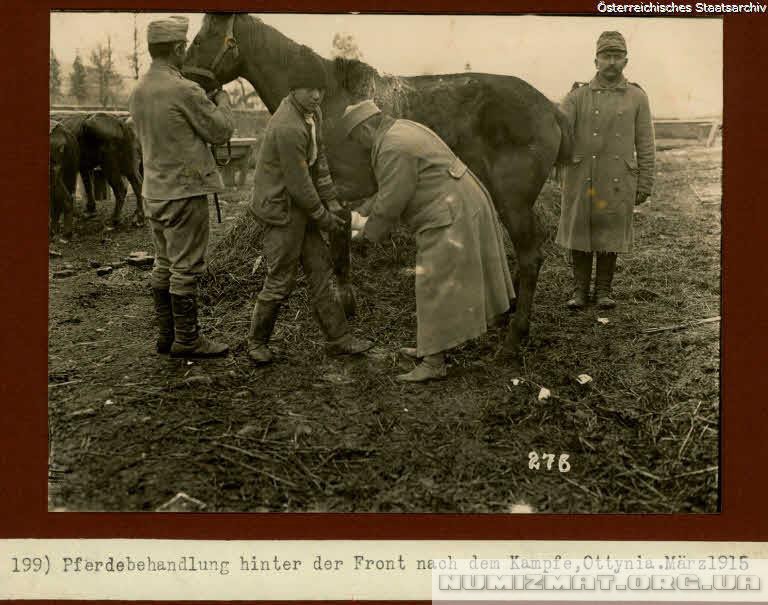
505 130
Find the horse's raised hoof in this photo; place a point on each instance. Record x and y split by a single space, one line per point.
138 221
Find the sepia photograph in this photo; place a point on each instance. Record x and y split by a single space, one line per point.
384 263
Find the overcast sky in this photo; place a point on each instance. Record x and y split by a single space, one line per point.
677 61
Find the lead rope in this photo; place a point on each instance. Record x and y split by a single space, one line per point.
221 165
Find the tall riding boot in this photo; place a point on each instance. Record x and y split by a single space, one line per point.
189 341
263 321
582 275
164 318
606 264
333 323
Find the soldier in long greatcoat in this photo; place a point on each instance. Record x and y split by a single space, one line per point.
463 282
612 170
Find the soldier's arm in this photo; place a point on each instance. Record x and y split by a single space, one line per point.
291 147
568 106
397 174
645 146
212 122
323 180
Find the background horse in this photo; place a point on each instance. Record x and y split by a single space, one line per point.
507 132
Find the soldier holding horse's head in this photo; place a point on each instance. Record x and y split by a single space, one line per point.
176 122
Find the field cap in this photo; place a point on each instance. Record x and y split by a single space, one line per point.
358 113
172 29
611 41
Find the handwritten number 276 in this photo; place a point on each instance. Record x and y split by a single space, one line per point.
535 461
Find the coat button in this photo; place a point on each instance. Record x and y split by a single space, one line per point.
615 180
615 157
594 157
618 134
597 111
594 134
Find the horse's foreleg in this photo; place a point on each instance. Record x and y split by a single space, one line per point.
341 257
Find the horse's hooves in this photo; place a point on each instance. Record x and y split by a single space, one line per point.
138 222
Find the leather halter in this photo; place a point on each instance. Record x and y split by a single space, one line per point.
229 45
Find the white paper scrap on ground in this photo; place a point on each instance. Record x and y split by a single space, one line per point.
584 378
544 393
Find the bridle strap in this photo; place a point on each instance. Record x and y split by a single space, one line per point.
229 45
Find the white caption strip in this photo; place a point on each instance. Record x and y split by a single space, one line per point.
378 569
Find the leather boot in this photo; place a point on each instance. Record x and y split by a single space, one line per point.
431 368
582 275
262 325
189 341
606 264
333 323
164 318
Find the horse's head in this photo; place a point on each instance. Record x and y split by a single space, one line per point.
213 58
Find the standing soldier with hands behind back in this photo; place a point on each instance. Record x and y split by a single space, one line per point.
176 122
612 170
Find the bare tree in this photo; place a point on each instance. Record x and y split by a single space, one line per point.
134 58
345 46
107 77
467 66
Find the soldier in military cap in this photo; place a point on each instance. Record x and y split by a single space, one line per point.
612 170
295 198
175 122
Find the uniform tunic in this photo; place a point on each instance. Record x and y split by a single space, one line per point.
292 181
613 160
175 123
462 276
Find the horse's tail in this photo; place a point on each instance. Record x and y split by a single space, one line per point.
565 152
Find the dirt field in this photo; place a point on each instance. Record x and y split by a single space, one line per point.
130 429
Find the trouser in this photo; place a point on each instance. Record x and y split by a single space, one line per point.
180 236
300 241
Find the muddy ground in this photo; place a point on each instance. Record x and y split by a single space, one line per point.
130 429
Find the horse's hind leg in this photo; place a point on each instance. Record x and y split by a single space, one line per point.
86 175
135 180
526 238
517 181
115 180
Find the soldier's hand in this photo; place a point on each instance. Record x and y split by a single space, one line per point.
329 222
221 97
641 197
335 207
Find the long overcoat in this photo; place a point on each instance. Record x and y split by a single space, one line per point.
462 276
613 160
